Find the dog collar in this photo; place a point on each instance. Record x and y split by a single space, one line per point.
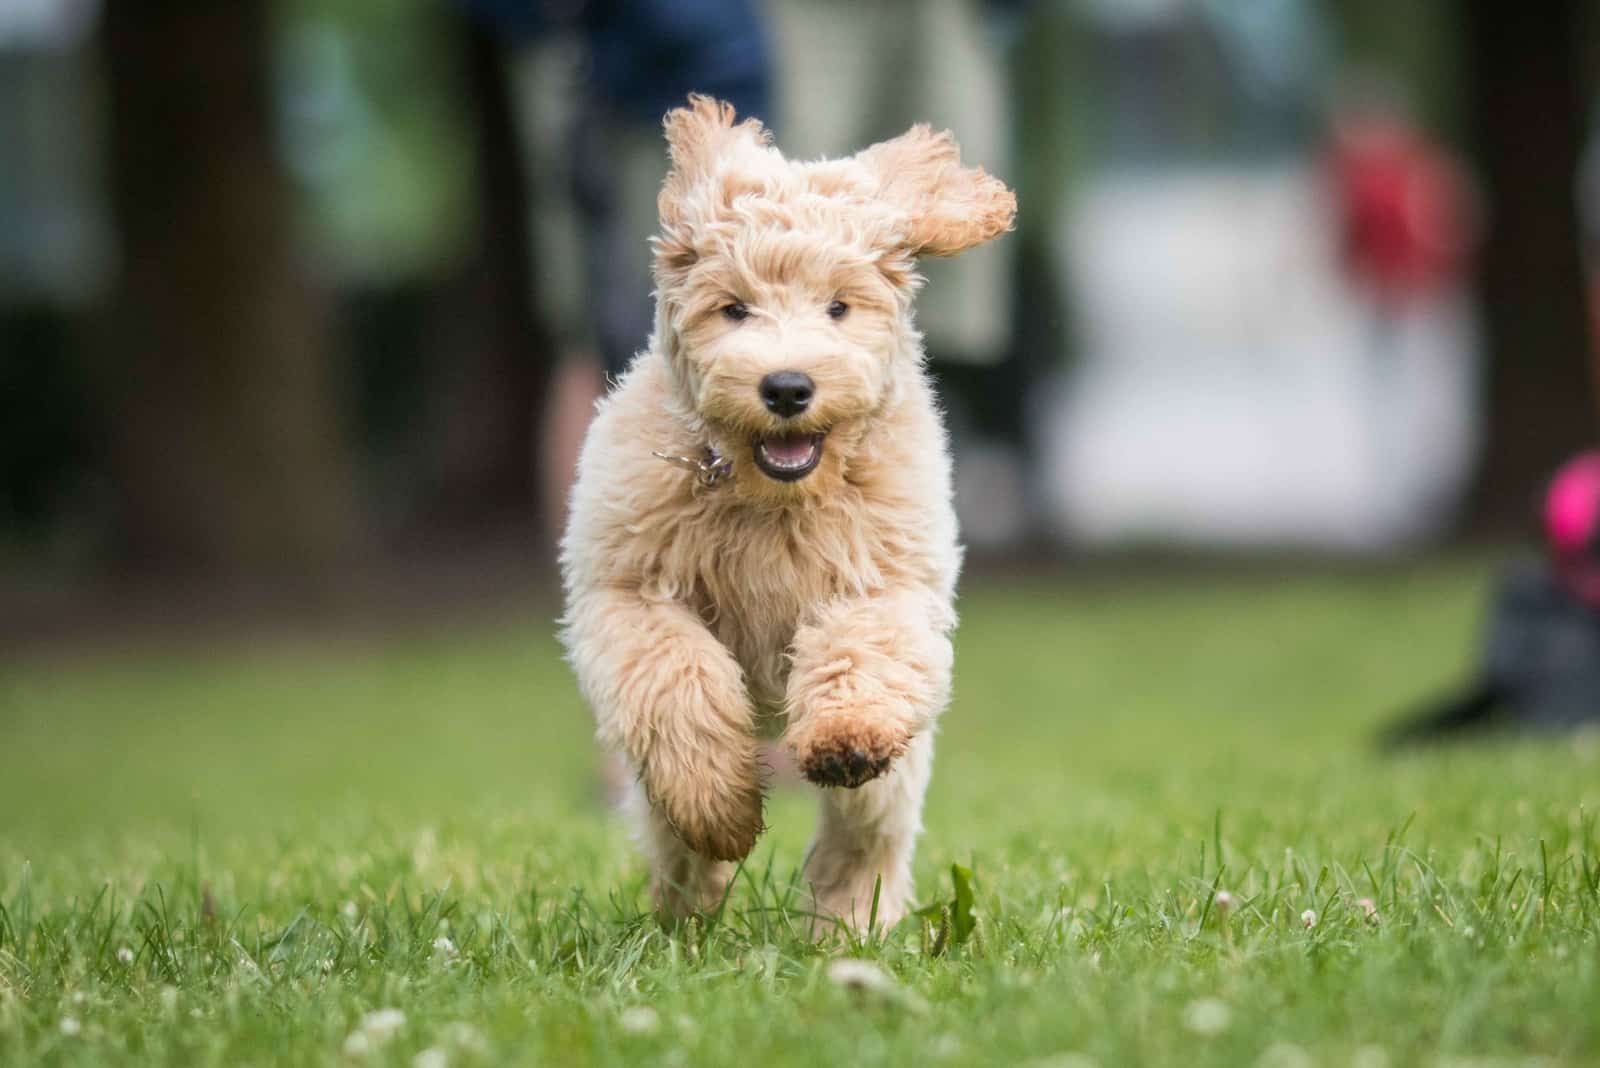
711 469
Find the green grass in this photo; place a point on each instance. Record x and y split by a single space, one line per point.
279 836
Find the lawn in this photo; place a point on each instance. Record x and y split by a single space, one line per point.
253 852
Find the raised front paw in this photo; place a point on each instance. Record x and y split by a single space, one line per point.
845 750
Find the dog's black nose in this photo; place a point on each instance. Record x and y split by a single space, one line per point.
786 393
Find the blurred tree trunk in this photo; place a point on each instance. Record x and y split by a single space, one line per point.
1525 98
495 356
228 447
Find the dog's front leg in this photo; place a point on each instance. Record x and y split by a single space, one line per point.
868 678
672 698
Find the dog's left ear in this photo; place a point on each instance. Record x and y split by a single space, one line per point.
950 208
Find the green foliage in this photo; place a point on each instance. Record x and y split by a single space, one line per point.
376 130
251 856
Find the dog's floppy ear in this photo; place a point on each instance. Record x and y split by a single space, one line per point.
950 208
702 131
698 136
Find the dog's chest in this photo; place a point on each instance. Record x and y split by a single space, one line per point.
771 577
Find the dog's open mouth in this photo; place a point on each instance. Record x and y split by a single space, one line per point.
788 457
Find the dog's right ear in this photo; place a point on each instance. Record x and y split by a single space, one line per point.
702 139
703 132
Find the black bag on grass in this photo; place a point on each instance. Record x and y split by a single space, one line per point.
1541 657
1541 664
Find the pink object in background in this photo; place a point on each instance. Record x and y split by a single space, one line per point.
1572 524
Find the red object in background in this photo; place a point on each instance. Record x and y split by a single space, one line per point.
1406 214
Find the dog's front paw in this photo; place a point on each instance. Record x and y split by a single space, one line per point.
720 820
845 750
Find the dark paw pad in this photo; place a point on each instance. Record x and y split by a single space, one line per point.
848 767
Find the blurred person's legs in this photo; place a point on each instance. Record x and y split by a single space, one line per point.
619 172
549 77
593 178
616 171
592 183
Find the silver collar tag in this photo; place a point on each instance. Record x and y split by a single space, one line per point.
710 470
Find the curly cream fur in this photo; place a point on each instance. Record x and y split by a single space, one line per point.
700 618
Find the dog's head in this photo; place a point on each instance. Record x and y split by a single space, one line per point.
784 288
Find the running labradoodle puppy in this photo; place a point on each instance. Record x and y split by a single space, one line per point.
761 537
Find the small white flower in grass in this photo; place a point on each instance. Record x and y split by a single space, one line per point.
382 1024
465 1036
1308 919
376 1028
866 979
1369 909
432 1057
348 909
444 949
124 955
1285 1055
70 1026
640 1020
1223 901
856 974
1207 1016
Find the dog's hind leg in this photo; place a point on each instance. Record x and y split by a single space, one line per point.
682 882
865 842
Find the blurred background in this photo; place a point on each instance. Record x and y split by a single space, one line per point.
304 304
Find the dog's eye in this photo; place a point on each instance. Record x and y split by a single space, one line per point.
736 311
838 309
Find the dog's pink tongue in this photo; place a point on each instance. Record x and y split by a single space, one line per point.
792 449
